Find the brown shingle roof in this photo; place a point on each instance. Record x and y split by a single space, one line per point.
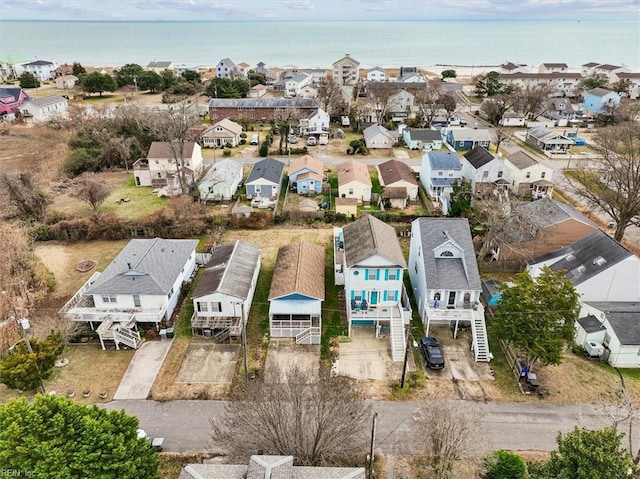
393 170
369 236
299 269
161 149
308 161
395 192
353 170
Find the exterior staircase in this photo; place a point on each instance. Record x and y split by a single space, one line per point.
128 337
222 336
480 345
309 336
398 343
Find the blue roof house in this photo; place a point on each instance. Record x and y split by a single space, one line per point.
599 100
438 171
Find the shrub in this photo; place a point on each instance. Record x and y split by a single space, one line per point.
226 153
264 149
81 160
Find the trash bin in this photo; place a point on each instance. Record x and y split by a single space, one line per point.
163 334
169 332
207 332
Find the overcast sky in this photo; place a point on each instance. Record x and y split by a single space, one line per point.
309 10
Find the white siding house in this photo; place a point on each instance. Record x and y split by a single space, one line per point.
438 172
354 181
528 176
49 108
159 168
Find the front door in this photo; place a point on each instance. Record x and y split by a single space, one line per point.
452 299
373 298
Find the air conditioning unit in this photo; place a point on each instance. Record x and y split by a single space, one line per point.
593 349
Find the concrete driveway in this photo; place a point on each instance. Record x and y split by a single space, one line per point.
208 362
368 357
143 369
284 352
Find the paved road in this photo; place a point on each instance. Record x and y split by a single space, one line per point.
516 426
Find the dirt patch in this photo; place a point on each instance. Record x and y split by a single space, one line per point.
284 352
207 362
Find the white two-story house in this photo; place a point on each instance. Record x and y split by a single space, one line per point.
369 260
445 279
486 173
528 176
159 168
438 171
317 123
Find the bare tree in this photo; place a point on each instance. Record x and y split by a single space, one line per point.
175 126
447 430
313 419
494 108
611 182
379 94
532 100
284 118
330 96
29 201
502 134
92 192
428 97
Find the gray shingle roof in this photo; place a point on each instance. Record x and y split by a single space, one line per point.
547 211
446 272
444 160
229 271
624 318
478 157
587 257
145 266
470 134
425 135
369 236
548 136
46 101
269 169
262 103
591 324
599 91
522 160
376 129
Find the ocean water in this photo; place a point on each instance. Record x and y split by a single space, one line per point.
319 44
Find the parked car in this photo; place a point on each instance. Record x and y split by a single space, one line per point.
292 139
432 353
636 220
311 141
255 139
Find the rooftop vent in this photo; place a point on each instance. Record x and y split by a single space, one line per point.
600 261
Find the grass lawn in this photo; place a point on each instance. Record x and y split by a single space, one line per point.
105 98
333 323
142 200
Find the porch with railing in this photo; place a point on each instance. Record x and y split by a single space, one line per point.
200 324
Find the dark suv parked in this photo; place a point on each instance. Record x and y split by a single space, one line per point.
432 353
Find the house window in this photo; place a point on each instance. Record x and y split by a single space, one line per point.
202 306
136 300
350 191
389 295
543 174
528 175
393 274
159 175
370 274
485 174
499 174
447 253
109 298
216 307
440 173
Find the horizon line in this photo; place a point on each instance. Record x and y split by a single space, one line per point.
452 20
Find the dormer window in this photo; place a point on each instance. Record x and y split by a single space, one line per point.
447 254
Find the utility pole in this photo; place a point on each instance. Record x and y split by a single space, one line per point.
373 441
244 345
406 356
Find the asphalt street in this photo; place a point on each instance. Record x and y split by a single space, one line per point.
185 425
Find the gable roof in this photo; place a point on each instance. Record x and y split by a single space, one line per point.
624 318
470 134
546 211
227 124
38 63
262 103
440 160
425 135
522 160
587 257
162 150
307 161
269 169
393 170
376 129
223 172
369 236
145 266
45 101
299 270
556 65
479 156
229 271
352 170
159 64
448 272
599 91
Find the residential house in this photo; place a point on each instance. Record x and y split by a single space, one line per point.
257 91
226 69
592 68
222 133
306 173
66 82
486 173
528 176
422 139
548 141
467 138
445 279
438 172
141 285
614 326
511 118
222 299
160 66
411 77
160 167
309 91
560 110
243 69
261 67
262 110
562 84
265 179
295 82
48 108
41 69
346 71
601 100
269 467
400 105
633 78
297 293
376 74
377 136
316 123
369 261
354 181
536 228
553 68
62 70
510 67
11 98
221 181
394 174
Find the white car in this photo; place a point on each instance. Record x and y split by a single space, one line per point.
311 141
